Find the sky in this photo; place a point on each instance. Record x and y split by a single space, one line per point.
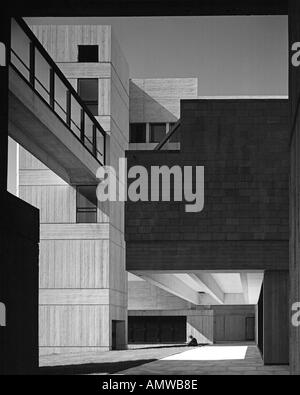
230 56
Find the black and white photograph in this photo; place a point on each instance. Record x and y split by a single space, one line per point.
150 191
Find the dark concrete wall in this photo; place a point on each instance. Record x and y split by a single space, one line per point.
276 318
230 322
19 235
148 7
4 39
244 147
294 75
19 251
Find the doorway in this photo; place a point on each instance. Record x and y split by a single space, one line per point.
118 335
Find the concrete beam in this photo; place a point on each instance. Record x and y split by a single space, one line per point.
234 299
149 8
210 286
171 284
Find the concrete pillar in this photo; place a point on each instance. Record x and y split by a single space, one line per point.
276 318
4 45
19 262
259 325
294 93
19 252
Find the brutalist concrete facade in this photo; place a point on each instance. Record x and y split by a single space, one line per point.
244 148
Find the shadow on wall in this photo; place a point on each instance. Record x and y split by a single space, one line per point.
143 108
201 327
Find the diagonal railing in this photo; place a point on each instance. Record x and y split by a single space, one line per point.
32 62
168 136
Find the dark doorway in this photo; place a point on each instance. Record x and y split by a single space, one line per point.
118 341
250 328
114 335
156 329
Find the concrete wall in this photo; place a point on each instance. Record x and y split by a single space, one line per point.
19 254
83 283
74 264
243 145
158 99
230 322
294 91
201 327
5 23
143 295
276 317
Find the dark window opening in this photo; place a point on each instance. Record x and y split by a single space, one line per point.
88 91
157 132
137 133
88 53
175 138
156 329
86 204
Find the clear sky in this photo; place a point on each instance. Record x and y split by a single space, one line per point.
229 55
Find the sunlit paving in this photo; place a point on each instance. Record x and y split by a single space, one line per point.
230 359
209 353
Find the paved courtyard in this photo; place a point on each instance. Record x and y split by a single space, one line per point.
165 360
211 360
108 362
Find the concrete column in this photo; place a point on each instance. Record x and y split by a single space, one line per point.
19 252
259 315
294 93
19 262
4 46
275 318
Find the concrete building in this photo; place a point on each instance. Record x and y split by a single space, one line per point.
243 228
83 284
155 109
212 273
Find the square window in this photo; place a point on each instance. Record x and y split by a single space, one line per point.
88 53
86 204
137 133
86 217
88 91
157 132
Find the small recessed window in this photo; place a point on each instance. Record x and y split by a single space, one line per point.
137 133
88 53
86 204
88 91
157 132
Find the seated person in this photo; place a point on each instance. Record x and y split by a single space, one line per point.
193 342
